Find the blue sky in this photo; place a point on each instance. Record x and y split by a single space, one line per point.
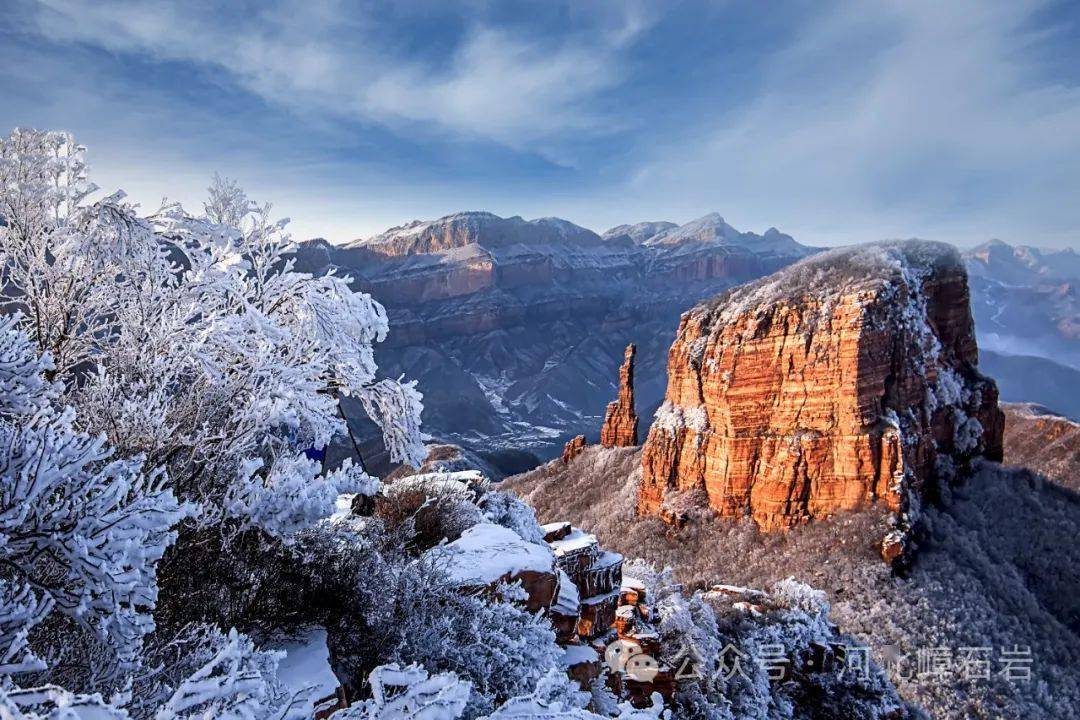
836 122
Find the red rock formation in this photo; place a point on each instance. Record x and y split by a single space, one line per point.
596 575
845 379
1042 441
573 448
621 420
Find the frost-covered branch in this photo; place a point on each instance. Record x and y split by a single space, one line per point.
190 339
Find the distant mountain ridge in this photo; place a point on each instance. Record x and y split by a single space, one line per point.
1025 300
515 328
421 237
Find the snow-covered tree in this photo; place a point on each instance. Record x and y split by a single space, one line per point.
231 681
80 533
190 339
57 249
410 693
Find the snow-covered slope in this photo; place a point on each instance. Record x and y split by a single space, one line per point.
640 232
999 571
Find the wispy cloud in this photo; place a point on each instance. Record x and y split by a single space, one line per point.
898 118
511 85
837 121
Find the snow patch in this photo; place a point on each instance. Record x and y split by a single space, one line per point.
486 553
673 418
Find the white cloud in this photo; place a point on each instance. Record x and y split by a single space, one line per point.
511 86
898 119
889 119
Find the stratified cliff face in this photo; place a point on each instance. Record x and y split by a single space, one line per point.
845 379
620 428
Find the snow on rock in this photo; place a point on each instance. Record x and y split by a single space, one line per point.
487 554
673 417
577 654
568 600
575 541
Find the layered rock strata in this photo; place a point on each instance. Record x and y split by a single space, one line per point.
620 428
595 573
846 379
612 620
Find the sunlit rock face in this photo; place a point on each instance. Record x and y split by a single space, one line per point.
1043 441
846 379
620 428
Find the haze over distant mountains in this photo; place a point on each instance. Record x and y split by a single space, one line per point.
515 328
1027 315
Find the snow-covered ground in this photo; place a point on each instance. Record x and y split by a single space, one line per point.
307 664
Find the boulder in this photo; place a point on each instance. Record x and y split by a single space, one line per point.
488 554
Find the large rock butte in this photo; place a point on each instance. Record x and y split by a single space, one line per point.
620 428
846 379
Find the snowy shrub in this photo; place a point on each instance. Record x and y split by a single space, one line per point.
294 494
191 339
557 698
55 703
161 378
79 533
228 680
410 693
438 506
408 611
729 649
504 509
236 681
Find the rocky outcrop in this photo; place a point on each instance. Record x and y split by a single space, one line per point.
620 427
613 627
846 379
573 448
487 555
1043 441
447 458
